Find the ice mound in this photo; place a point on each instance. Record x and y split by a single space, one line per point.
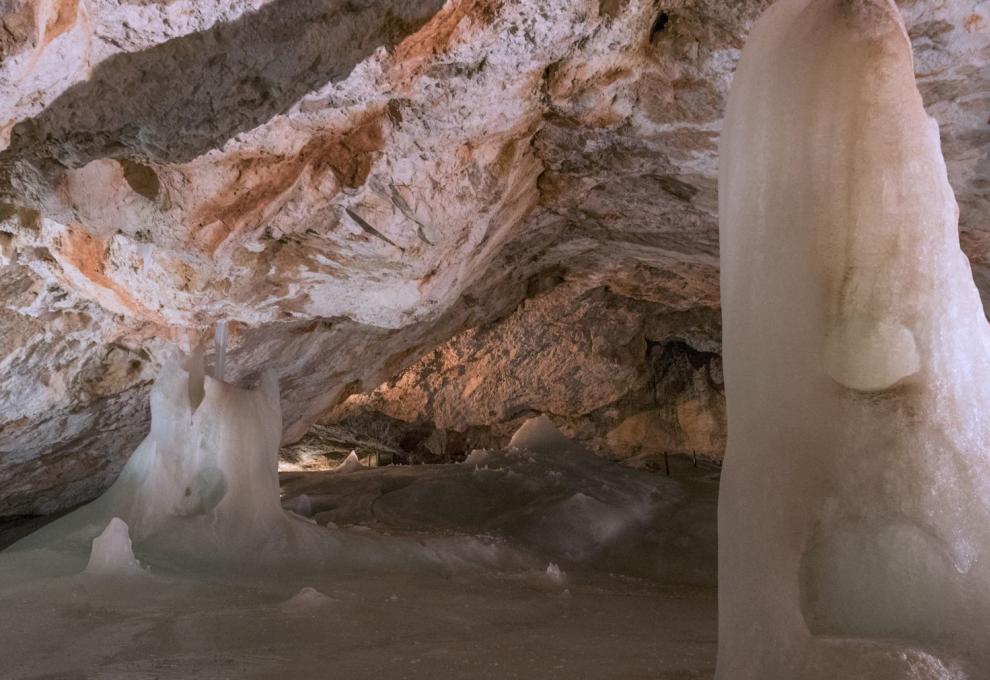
350 464
300 505
555 575
855 499
112 553
306 601
539 435
476 457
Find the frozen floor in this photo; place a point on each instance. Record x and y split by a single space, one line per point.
636 599
375 626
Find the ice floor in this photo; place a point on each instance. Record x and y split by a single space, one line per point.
538 561
634 598
369 626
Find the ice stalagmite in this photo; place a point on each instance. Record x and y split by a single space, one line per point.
854 519
112 552
204 484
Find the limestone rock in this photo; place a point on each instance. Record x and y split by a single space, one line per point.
617 373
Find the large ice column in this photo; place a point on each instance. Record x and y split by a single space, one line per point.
204 483
854 518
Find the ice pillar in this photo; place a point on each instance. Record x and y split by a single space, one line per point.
854 518
220 346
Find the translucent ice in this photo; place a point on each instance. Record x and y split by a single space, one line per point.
854 516
112 553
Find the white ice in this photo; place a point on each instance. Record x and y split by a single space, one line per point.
112 553
309 600
350 464
854 515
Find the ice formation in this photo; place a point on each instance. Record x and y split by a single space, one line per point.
112 552
854 516
203 483
540 436
220 342
202 491
555 575
307 601
350 464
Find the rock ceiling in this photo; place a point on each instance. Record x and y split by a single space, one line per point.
353 183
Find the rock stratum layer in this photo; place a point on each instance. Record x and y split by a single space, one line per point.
354 184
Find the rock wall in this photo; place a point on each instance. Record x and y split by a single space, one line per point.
352 184
621 374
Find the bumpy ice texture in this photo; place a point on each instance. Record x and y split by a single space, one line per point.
854 519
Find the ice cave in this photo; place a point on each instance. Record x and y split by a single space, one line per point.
497 339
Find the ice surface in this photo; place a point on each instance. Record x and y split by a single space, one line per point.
562 504
854 516
112 553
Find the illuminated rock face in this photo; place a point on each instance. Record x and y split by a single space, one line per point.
854 516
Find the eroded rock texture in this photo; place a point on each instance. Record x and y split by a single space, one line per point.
353 184
622 374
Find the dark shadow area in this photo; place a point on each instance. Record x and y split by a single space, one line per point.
15 527
659 25
175 101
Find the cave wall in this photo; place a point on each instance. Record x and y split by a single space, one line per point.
623 375
354 184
